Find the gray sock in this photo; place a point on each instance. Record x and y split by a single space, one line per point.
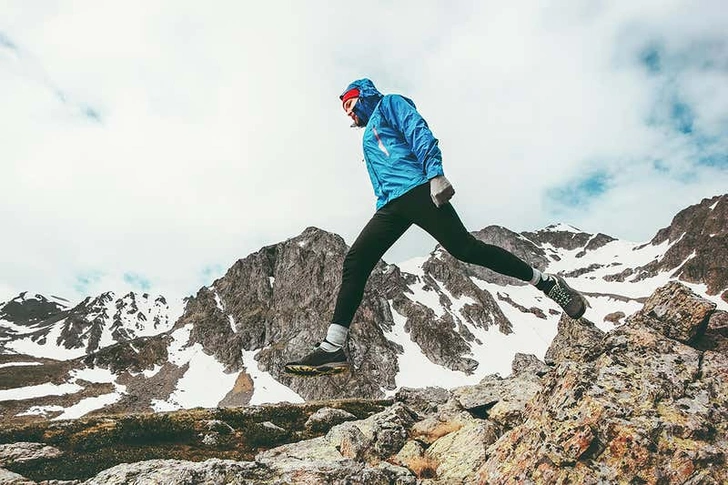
335 338
536 277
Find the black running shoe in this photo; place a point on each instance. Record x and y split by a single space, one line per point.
573 303
319 363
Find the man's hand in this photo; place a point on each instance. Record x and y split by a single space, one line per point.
440 190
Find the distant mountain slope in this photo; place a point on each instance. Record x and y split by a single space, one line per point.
43 327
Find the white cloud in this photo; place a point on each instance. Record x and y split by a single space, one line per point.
215 130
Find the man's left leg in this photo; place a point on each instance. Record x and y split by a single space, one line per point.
446 227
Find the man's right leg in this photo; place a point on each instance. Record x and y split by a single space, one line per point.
385 227
383 230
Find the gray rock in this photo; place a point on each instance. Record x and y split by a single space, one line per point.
460 454
23 451
9 478
326 417
423 401
675 311
501 400
528 364
576 340
411 450
376 438
213 471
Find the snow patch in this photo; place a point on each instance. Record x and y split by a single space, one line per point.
41 390
91 404
19 364
265 388
196 387
562 227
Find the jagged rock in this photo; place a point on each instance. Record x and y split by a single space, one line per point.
576 340
23 451
646 409
326 417
423 401
265 433
501 400
460 454
385 433
675 311
528 364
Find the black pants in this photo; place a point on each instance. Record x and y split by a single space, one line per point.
391 221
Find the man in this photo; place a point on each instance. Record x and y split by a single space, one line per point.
405 168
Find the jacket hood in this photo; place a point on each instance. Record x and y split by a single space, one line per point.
369 97
365 86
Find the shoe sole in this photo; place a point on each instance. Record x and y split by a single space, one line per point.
315 371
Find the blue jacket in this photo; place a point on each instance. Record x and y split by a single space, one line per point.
399 149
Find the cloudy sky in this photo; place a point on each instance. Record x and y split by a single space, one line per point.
149 144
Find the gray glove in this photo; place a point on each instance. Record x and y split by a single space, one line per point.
440 190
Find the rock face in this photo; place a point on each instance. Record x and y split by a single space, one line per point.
644 408
698 238
279 302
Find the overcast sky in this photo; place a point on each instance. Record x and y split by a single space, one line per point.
149 144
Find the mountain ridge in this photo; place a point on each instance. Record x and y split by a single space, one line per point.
431 319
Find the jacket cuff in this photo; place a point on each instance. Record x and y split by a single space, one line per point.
434 172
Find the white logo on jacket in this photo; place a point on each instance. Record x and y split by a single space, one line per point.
379 141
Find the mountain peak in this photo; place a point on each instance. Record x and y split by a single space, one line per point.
29 310
561 227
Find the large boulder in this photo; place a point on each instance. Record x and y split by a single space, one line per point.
676 312
645 409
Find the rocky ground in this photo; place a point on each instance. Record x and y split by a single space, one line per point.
644 403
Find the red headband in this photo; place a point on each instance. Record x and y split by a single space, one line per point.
352 93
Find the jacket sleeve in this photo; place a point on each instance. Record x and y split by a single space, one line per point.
404 117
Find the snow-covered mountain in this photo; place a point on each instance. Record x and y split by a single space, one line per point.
429 321
48 327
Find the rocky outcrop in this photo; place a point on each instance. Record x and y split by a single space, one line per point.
676 312
644 408
576 340
698 238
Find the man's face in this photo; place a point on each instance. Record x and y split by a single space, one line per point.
349 109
